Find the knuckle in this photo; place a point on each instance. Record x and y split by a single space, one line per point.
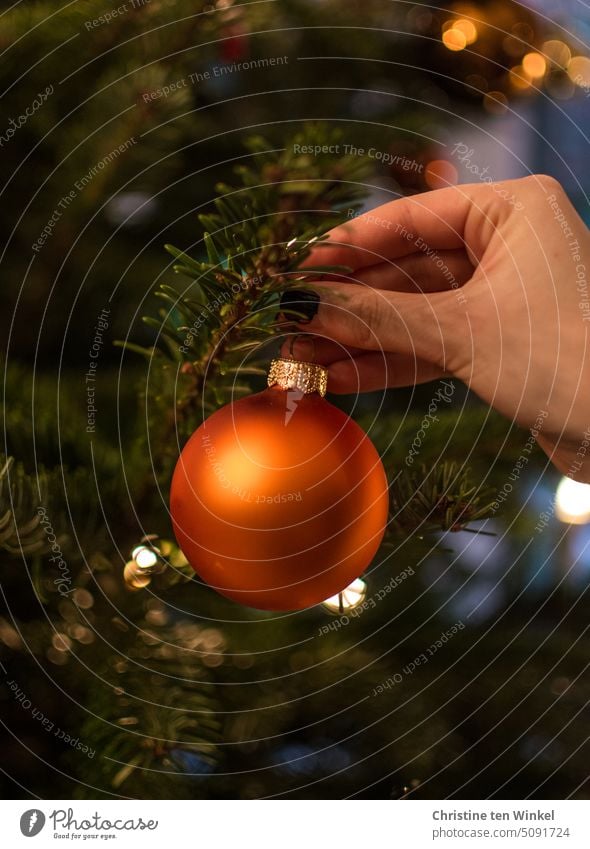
546 182
367 317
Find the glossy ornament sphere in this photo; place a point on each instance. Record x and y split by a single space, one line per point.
279 500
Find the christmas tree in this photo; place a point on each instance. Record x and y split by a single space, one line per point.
442 672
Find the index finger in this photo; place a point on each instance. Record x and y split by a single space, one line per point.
436 219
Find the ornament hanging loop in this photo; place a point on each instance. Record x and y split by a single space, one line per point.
310 337
303 375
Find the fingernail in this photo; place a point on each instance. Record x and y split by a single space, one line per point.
301 301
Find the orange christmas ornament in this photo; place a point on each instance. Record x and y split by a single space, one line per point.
280 500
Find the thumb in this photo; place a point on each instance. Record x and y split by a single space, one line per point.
429 326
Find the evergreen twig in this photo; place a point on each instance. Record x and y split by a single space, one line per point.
437 498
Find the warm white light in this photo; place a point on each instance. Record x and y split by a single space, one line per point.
134 579
572 502
518 78
351 597
145 557
468 29
534 64
578 70
557 52
454 39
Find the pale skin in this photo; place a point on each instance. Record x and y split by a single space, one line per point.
463 282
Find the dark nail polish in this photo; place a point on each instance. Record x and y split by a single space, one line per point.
298 303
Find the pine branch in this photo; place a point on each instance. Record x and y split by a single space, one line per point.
158 736
20 521
213 336
436 498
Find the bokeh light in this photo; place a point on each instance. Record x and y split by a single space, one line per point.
440 173
519 79
454 39
557 52
534 65
572 502
468 29
349 598
578 70
144 557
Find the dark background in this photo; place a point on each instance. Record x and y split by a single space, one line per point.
501 710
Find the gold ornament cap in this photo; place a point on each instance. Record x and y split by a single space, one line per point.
295 374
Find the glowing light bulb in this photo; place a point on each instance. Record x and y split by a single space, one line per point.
468 29
351 597
572 502
134 579
454 39
146 558
534 65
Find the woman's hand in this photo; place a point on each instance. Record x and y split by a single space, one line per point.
484 282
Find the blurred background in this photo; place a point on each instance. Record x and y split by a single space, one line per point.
116 125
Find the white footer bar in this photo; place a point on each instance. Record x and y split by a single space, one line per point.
293 824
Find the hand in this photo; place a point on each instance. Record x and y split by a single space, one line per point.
484 282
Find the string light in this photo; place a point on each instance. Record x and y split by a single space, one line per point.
519 79
468 29
578 70
454 39
134 580
146 560
147 556
557 52
534 65
348 599
572 502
